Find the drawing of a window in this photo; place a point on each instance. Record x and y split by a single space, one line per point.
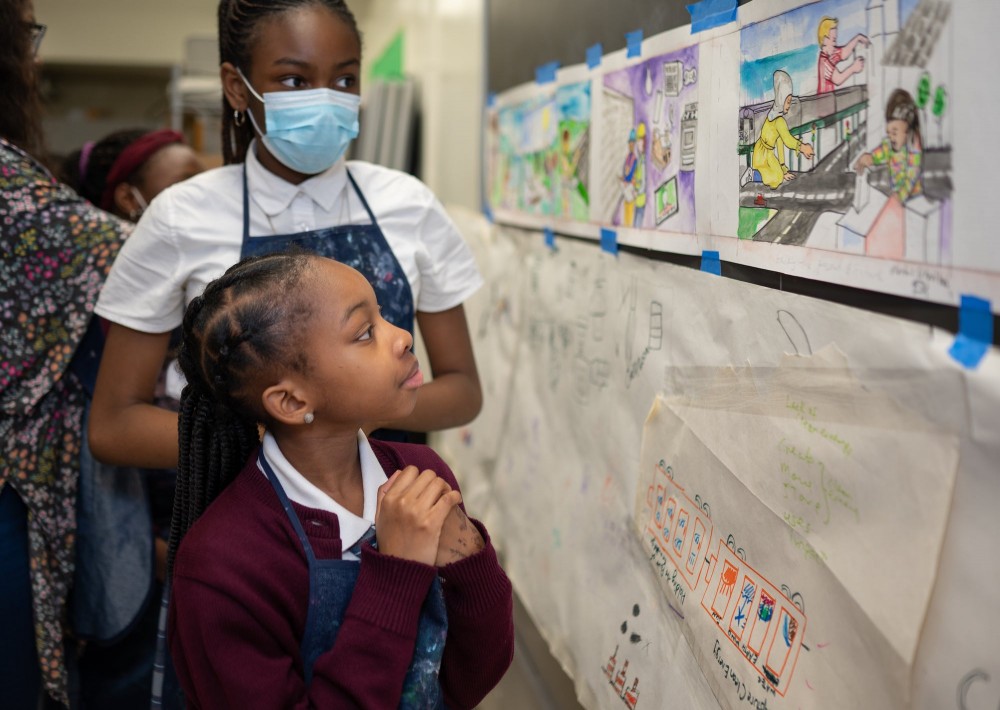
659 512
680 534
761 622
744 607
724 592
669 523
697 542
781 647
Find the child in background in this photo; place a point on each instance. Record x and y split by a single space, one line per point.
125 170
123 513
291 81
302 575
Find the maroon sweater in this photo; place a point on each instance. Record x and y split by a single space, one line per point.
239 602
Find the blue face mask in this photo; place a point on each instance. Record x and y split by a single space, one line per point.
309 130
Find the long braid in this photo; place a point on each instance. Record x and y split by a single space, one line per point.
238 23
234 335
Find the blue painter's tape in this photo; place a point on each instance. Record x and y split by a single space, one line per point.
633 41
975 331
710 262
550 238
491 99
711 13
546 73
594 54
609 241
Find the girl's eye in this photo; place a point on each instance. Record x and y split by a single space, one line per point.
368 334
345 82
293 82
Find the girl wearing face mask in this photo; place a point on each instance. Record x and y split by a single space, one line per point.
125 170
291 81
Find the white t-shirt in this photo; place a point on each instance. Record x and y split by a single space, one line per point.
301 491
193 231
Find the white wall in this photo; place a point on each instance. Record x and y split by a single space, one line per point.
133 32
444 49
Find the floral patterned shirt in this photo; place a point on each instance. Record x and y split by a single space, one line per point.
57 251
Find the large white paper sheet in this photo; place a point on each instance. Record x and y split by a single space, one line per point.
588 343
815 471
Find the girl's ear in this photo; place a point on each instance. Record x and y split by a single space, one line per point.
233 87
125 203
286 403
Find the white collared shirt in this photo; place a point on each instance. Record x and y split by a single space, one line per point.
299 490
193 231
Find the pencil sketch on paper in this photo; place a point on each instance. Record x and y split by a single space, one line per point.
844 131
647 158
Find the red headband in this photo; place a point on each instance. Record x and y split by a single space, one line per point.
132 158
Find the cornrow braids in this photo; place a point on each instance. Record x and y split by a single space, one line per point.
240 329
239 21
90 183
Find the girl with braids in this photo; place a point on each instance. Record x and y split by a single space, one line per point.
319 568
291 80
125 170
57 250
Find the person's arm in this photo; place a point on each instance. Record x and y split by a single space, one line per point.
125 427
454 397
480 644
848 49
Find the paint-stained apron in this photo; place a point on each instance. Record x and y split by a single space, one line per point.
331 585
361 246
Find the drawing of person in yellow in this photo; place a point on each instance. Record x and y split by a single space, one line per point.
769 151
639 177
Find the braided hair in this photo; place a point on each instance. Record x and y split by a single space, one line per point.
90 179
240 330
238 24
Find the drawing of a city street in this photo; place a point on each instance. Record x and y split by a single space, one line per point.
844 129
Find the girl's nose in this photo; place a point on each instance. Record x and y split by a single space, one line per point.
404 343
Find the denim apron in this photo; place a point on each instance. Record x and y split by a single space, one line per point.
361 246
331 584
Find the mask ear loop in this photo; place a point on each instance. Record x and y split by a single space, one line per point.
136 214
248 112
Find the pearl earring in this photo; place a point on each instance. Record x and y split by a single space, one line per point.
308 417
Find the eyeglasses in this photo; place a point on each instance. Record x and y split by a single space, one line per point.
37 33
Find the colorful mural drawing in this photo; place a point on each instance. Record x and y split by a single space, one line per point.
650 118
539 154
831 151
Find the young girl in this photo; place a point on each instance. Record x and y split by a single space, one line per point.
290 73
122 172
284 594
